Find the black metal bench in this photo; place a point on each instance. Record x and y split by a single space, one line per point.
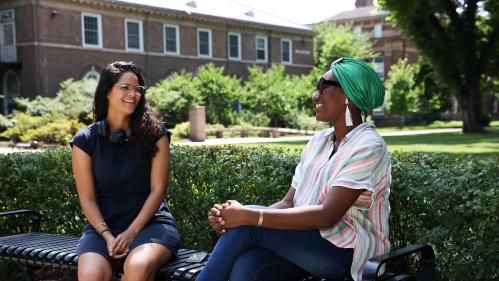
55 250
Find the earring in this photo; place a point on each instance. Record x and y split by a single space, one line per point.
348 115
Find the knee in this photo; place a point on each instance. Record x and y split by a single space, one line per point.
137 269
88 273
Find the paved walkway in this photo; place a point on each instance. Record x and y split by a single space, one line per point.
306 138
4 150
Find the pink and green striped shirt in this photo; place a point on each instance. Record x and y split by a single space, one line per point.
361 162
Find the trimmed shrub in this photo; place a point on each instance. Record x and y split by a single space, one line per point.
172 98
450 202
55 128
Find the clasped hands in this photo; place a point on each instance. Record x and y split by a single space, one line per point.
118 246
227 215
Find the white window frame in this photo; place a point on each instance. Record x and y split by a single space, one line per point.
378 30
265 48
177 39
91 73
99 30
238 35
290 51
141 36
209 43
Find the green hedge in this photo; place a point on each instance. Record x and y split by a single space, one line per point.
447 201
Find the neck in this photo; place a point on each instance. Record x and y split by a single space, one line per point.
118 122
341 129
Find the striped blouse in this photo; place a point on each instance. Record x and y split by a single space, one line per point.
361 162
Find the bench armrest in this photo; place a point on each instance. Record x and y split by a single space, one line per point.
426 262
36 217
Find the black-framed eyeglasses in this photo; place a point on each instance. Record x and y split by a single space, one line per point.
127 89
323 84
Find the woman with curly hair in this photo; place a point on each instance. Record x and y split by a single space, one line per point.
120 165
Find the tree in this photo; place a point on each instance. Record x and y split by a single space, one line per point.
333 41
265 92
172 97
218 92
461 38
400 89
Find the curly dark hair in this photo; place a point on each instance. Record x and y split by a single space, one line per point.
146 128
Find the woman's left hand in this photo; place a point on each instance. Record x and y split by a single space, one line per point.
121 244
233 214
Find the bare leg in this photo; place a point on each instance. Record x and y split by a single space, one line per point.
94 267
143 262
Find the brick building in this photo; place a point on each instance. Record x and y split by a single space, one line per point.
44 42
389 44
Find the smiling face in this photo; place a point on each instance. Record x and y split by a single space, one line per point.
329 102
123 98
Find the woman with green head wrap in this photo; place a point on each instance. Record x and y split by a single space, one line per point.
335 214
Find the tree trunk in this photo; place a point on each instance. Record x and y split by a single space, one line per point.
471 107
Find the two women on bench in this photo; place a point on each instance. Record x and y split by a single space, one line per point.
333 218
335 214
120 165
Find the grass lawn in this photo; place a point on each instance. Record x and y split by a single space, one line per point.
486 144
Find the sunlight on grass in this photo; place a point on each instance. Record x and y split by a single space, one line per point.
486 144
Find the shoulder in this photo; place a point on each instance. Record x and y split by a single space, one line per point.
367 136
85 138
87 133
322 136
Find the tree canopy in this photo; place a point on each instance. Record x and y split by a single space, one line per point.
333 41
461 39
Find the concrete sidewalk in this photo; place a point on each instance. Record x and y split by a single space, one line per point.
306 138
4 150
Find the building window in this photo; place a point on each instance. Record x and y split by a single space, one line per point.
234 46
379 67
172 42
286 51
7 37
91 30
261 48
204 42
357 29
11 89
133 35
378 30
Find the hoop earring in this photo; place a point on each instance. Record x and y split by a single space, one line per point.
348 115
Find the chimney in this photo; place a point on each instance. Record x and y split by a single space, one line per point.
363 3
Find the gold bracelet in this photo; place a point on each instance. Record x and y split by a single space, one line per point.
260 218
106 229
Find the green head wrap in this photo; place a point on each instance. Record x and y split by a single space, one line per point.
360 83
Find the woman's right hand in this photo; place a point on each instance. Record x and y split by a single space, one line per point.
215 220
109 238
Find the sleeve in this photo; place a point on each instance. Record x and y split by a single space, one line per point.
357 170
297 177
84 140
167 133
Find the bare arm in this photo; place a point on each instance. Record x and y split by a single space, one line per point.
217 223
159 179
82 172
286 202
338 201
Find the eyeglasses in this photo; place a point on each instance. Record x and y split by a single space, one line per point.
323 84
127 89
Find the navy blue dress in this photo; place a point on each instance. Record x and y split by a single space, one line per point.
122 186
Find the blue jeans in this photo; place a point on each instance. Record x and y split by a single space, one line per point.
258 253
